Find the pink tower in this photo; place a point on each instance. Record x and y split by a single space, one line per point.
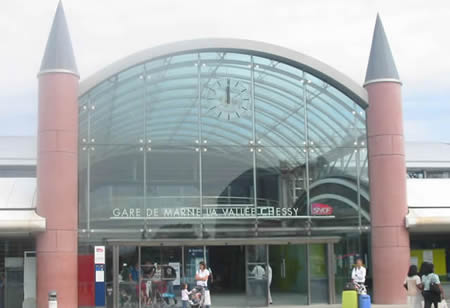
387 169
57 177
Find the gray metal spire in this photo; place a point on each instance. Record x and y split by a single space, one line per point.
381 65
58 56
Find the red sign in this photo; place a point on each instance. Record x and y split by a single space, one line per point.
320 209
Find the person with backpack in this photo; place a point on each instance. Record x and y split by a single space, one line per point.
432 288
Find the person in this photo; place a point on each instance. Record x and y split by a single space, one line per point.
422 268
185 295
258 272
259 285
133 272
202 281
269 282
359 272
202 275
146 284
428 279
413 286
133 277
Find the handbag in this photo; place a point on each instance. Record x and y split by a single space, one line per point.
434 288
443 304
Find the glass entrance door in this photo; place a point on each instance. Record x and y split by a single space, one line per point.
318 268
128 293
289 283
257 275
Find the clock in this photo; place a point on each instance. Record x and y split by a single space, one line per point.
228 99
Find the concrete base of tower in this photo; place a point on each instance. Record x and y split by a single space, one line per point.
390 265
57 271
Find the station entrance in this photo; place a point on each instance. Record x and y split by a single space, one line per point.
243 273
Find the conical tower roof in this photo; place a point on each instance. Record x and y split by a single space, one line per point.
381 65
58 56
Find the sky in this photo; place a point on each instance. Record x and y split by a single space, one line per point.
337 32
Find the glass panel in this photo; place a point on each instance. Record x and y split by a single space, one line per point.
17 262
160 275
129 277
227 176
318 273
257 270
227 264
109 274
83 189
364 187
172 107
346 252
289 283
192 258
280 179
333 120
116 188
226 99
279 104
171 275
173 192
333 187
117 116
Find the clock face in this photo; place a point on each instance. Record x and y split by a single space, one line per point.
228 99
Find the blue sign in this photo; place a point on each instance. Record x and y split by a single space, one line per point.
100 298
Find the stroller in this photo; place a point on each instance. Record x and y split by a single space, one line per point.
197 297
360 288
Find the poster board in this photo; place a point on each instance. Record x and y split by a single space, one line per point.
177 268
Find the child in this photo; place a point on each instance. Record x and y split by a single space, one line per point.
185 295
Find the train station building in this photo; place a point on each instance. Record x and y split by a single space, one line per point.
236 152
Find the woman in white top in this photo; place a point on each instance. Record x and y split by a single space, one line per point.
413 286
202 280
359 272
202 275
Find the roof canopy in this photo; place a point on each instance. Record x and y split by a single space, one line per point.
429 205
17 207
277 53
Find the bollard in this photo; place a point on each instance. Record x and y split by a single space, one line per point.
52 300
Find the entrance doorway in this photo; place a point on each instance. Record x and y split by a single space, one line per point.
286 274
228 267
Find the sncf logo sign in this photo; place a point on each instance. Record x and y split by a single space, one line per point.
320 209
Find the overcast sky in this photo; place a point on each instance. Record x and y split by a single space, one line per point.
337 32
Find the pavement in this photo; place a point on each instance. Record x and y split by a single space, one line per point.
331 306
340 306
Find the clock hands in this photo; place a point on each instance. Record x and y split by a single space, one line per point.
231 103
239 94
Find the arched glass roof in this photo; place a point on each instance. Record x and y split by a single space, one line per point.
233 95
220 123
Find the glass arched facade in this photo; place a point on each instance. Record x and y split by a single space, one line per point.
206 153
220 144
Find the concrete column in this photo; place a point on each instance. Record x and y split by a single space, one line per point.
57 179
387 170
